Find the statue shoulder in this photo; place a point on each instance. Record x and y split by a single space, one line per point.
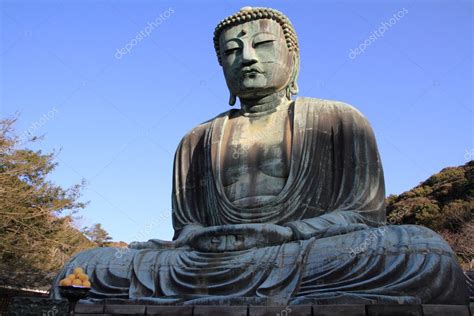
195 134
334 107
198 131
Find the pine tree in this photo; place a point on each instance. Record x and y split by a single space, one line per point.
37 235
98 235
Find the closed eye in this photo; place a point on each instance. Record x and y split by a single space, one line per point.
229 51
261 43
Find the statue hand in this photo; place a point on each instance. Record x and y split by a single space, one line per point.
224 238
239 237
159 244
152 244
181 241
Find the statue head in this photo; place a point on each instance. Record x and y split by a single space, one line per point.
258 51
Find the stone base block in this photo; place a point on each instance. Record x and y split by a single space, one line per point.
303 310
394 310
336 310
40 307
220 310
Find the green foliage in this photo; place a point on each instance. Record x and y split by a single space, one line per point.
450 174
444 203
98 235
37 235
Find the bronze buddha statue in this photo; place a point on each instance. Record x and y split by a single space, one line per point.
270 200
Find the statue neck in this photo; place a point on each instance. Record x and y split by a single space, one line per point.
263 105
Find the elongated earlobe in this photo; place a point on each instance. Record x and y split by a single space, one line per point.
232 100
291 89
294 88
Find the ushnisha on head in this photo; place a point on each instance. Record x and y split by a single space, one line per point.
259 53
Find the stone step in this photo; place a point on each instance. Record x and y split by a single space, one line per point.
30 306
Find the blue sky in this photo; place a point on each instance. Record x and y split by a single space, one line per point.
118 120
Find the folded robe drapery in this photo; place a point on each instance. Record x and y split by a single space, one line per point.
335 180
335 166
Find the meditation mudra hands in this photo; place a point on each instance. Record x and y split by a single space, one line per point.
223 238
239 237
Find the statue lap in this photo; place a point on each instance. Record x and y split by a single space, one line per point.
385 264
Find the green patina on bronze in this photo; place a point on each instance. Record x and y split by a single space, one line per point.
281 200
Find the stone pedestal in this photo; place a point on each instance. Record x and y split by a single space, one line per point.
41 307
303 310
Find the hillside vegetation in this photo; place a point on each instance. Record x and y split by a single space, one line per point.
444 203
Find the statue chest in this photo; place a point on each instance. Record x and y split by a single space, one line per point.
255 155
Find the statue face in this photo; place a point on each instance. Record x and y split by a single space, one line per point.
255 58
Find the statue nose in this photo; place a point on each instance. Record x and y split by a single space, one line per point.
248 55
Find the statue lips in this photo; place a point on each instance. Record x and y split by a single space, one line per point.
251 71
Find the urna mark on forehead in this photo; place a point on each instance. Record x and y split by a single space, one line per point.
250 29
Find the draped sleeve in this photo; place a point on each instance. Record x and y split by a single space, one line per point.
193 180
187 180
345 167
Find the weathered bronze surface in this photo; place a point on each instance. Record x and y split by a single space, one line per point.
280 200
